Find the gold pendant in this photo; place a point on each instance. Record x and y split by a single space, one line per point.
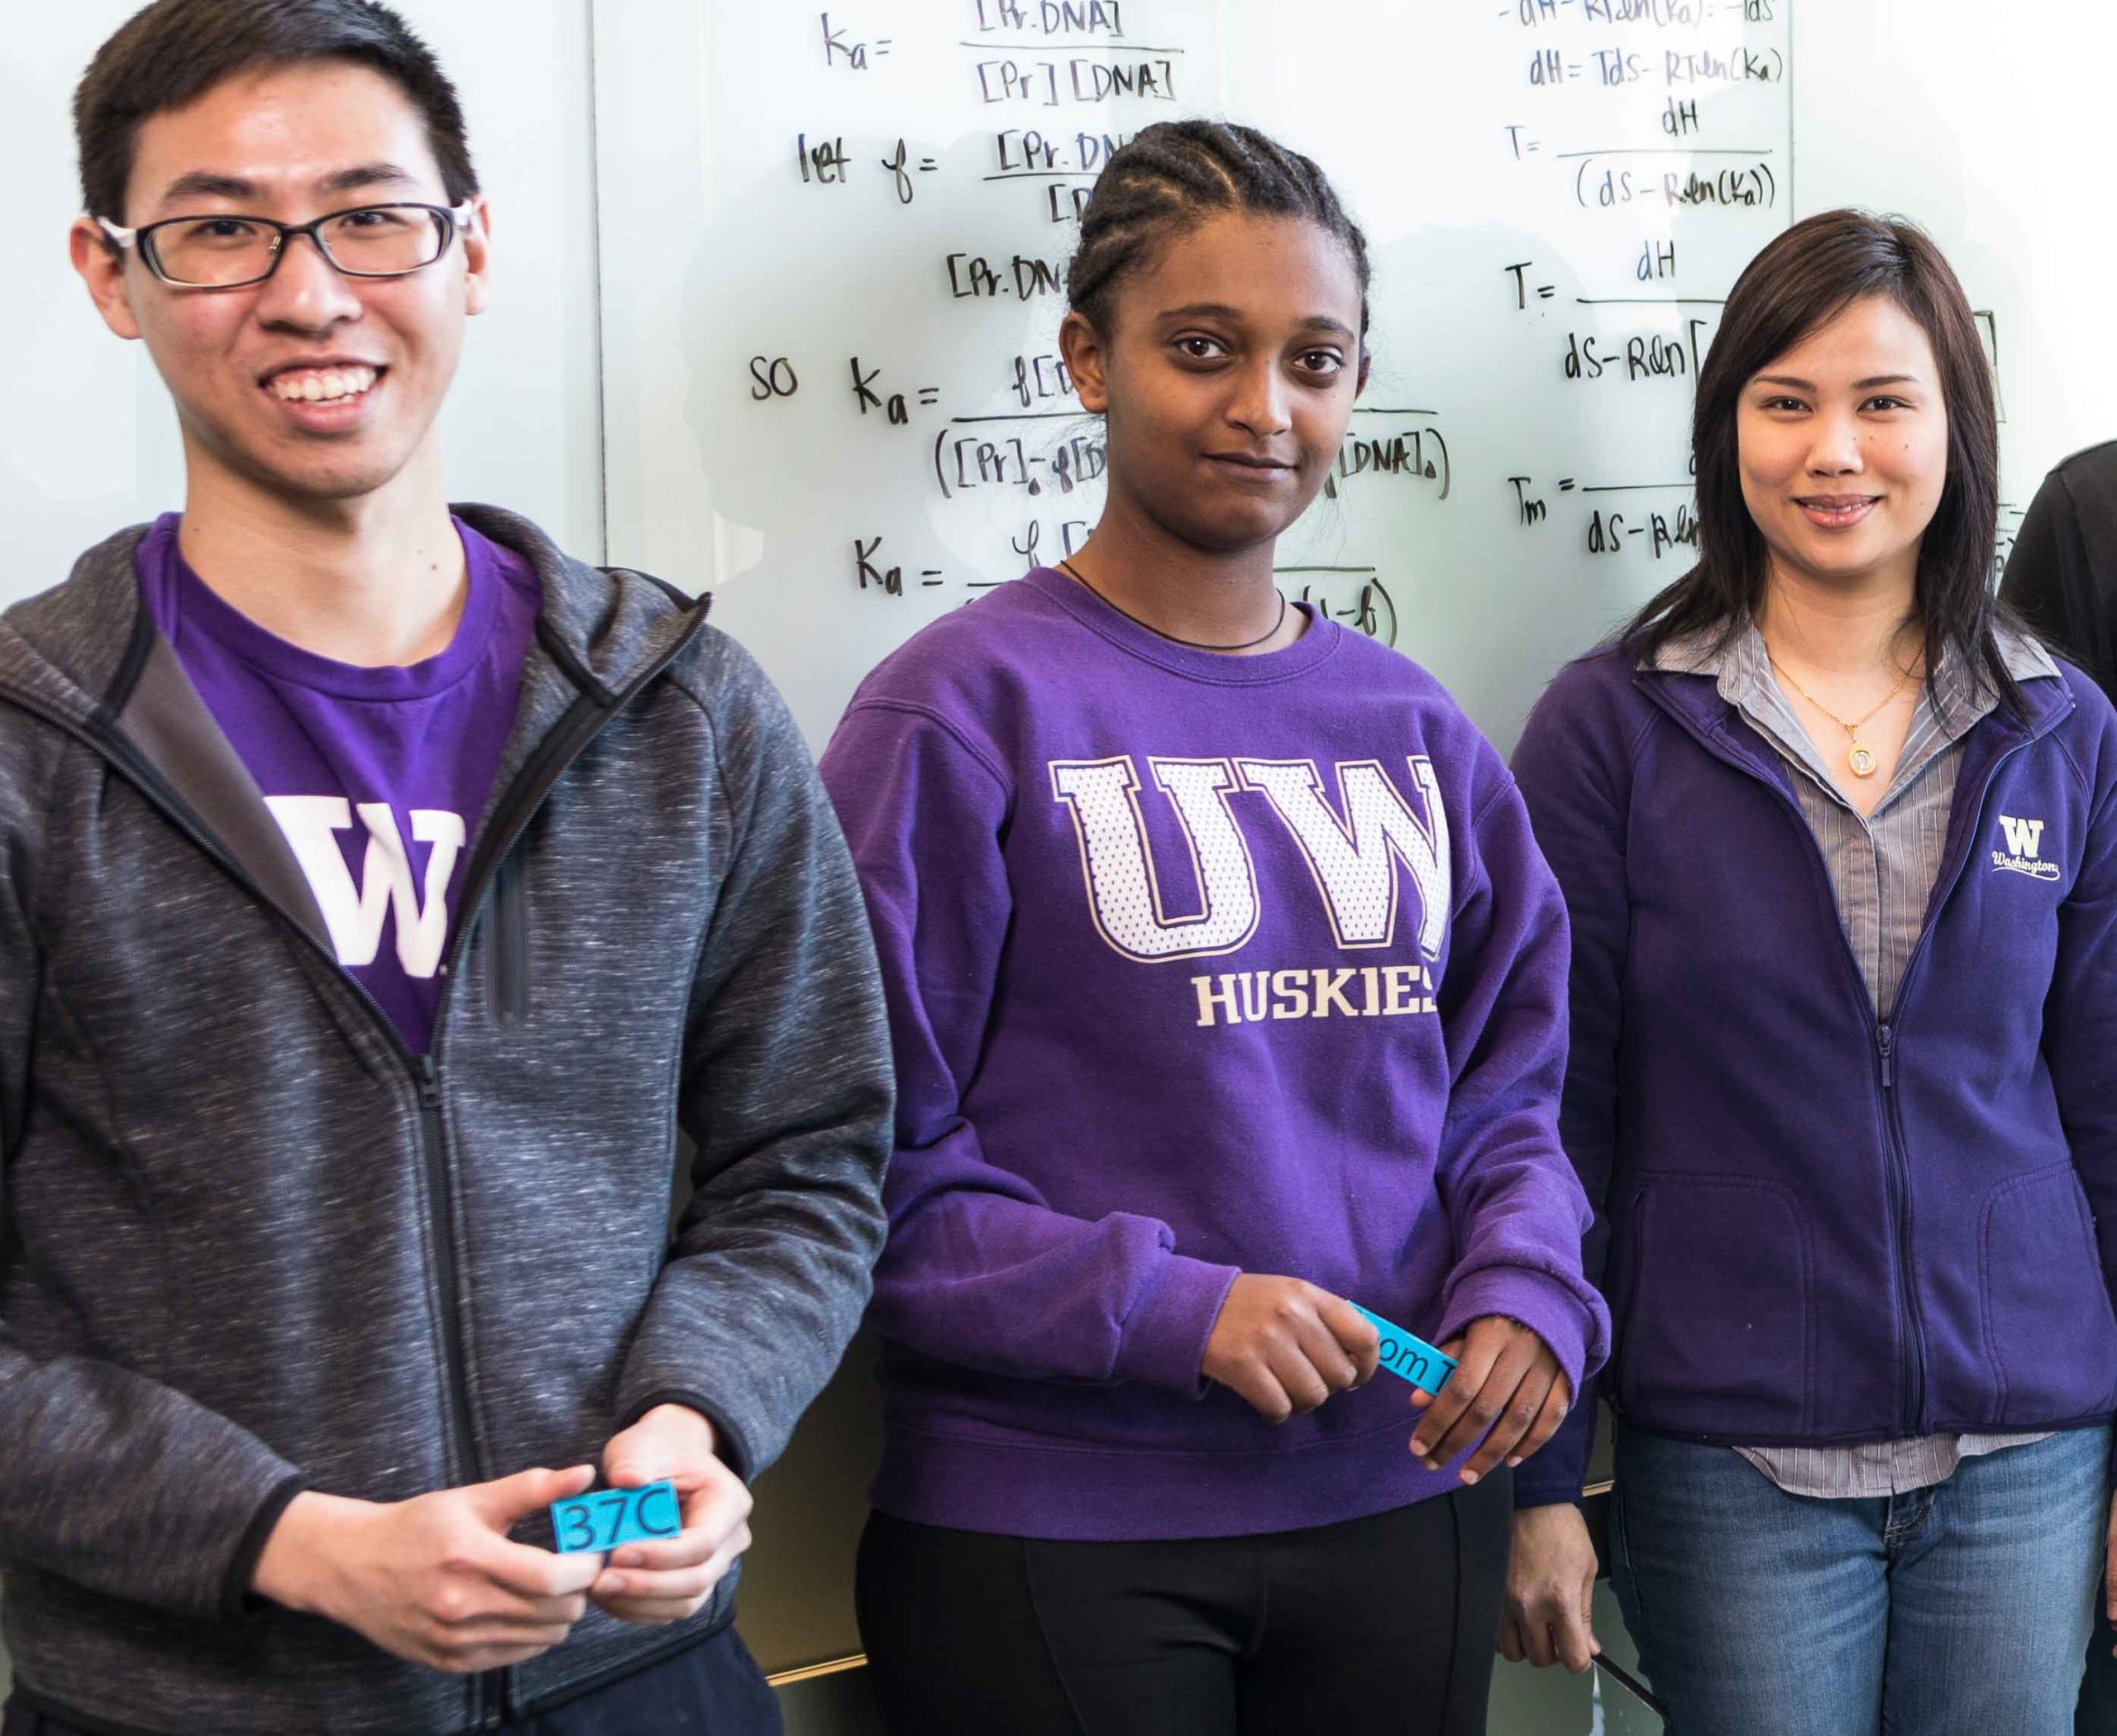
1862 761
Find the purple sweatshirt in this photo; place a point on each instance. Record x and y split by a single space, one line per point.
1197 964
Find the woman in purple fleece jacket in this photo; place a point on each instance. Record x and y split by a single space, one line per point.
1227 989
1840 846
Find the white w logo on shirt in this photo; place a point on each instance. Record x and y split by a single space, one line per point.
2024 836
354 915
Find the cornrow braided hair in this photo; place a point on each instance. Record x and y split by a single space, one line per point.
1171 177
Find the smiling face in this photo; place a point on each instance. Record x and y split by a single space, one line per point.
1227 377
312 385
1844 443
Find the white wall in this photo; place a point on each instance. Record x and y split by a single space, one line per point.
1991 130
88 442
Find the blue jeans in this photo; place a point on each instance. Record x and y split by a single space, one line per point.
1959 1610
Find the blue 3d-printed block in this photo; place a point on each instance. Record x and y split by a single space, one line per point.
608 1518
1410 1357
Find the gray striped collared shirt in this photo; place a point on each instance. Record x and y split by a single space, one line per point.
1882 870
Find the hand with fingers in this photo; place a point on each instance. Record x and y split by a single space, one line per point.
1551 1590
435 1579
1285 1346
657 1583
1506 1387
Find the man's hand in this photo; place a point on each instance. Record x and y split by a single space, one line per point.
1551 1590
1285 1345
435 1579
1507 1379
653 1583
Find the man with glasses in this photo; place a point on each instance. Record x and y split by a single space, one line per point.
382 893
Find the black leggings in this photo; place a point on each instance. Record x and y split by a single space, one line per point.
1379 1624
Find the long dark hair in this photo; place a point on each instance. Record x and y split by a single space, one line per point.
1804 280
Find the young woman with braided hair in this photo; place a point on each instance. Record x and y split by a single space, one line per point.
1227 990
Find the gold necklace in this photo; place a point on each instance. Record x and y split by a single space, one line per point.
1859 756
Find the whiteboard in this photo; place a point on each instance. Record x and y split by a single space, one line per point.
1989 129
715 251
834 249
832 243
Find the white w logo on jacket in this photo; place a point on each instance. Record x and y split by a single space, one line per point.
2024 836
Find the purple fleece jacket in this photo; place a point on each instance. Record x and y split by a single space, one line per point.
1196 965
1818 1226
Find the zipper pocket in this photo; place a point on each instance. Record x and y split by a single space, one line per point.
1620 1318
508 968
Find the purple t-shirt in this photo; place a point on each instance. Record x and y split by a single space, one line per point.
377 776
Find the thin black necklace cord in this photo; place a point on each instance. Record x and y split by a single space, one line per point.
1074 573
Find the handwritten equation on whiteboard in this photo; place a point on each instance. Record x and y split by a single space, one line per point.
1000 467
1644 142
860 417
1658 135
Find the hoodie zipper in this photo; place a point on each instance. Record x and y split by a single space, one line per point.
576 728
581 723
1884 1029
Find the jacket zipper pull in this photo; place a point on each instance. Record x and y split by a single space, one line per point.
429 1084
1885 1041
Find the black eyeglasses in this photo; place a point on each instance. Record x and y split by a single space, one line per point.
227 252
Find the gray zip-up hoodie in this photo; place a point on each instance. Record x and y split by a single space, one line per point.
249 1245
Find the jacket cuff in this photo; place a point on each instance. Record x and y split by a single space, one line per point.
1541 1480
728 1443
237 1600
1162 1342
1558 1470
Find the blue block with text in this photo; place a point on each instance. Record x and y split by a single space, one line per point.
1409 1356
609 1517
